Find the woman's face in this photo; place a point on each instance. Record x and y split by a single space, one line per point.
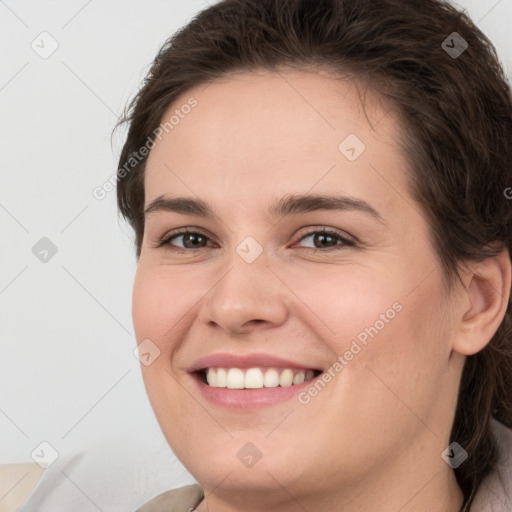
257 286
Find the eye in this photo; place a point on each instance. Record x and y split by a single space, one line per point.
326 239
190 240
333 239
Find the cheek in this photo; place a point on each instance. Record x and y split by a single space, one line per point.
346 301
393 345
392 340
158 302
398 376
382 308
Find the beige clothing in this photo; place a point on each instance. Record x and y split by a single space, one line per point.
183 499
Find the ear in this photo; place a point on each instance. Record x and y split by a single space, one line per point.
486 295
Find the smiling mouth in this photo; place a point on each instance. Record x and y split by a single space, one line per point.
255 378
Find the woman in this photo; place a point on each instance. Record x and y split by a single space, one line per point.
319 196
323 235
379 133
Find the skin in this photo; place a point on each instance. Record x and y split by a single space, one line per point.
372 438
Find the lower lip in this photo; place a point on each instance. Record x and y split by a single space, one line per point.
249 398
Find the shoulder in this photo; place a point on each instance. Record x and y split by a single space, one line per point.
495 492
16 483
175 500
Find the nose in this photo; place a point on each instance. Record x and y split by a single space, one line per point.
247 297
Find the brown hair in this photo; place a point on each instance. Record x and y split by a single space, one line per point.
456 115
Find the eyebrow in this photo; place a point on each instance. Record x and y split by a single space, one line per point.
288 205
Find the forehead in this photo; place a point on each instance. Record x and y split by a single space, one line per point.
262 133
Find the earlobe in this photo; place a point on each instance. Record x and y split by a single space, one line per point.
488 284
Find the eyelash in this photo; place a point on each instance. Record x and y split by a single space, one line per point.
345 241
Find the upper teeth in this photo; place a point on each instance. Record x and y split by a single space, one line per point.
253 378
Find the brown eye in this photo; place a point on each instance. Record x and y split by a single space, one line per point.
190 240
327 239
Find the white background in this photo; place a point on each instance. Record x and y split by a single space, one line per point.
67 372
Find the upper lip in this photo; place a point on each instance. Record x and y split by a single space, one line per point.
225 360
